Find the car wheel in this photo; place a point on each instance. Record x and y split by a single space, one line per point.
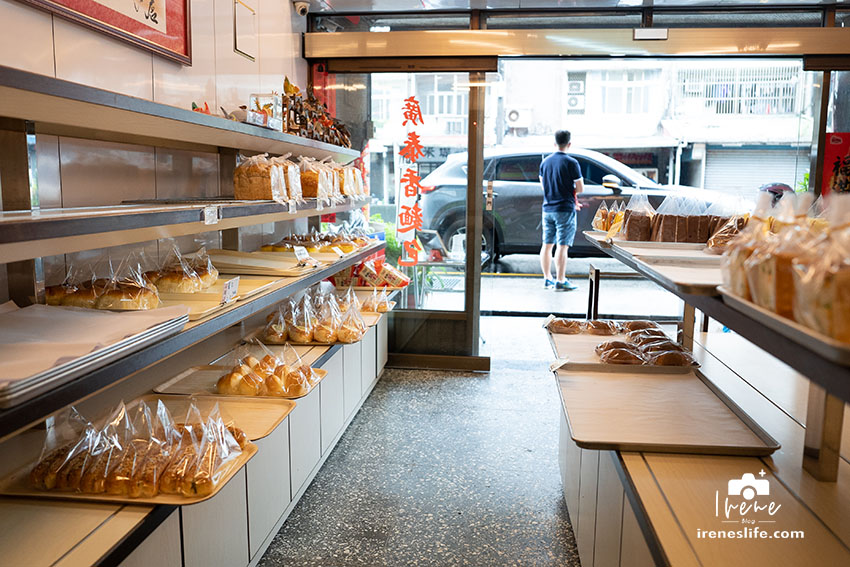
488 243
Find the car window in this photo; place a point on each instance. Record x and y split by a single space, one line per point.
519 169
591 171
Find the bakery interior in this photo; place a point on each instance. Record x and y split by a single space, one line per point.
260 305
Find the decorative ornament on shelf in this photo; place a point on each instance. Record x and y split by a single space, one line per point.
204 110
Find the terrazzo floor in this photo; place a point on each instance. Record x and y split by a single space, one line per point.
444 468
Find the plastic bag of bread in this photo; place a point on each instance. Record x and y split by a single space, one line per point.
660 345
352 327
328 320
54 294
671 358
637 220
616 217
667 220
290 175
316 181
300 329
348 300
720 239
600 219
643 336
377 302
275 332
257 178
822 276
696 222
177 274
127 288
352 182
561 326
202 265
216 448
66 445
769 268
248 375
622 356
609 345
639 324
601 327
741 247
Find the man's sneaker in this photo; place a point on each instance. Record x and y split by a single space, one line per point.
547 283
566 286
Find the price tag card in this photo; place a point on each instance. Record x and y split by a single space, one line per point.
338 251
558 364
231 288
301 254
211 214
292 208
319 205
548 320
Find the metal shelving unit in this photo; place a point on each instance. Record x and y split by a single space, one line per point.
19 417
64 108
34 234
829 386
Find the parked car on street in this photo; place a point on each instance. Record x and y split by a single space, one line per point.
514 225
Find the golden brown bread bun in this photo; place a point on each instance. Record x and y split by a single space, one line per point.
324 333
299 334
638 325
348 334
208 275
566 326
601 327
83 297
229 384
662 345
177 281
128 297
610 345
622 356
54 294
674 358
641 336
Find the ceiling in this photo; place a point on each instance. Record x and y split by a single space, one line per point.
369 6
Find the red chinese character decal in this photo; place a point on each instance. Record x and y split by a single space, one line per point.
410 218
412 149
412 112
411 249
410 181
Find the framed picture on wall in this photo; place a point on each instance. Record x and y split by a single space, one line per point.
160 26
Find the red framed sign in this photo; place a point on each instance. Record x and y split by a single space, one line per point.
161 26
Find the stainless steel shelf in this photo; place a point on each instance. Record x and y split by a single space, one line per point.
70 109
834 377
25 234
19 417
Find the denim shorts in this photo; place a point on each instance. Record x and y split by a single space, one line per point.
559 228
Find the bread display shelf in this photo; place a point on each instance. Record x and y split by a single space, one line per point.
204 379
256 416
18 392
30 411
655 412
826 346
18 485
25 235
579 353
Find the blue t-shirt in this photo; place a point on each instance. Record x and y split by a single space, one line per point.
559 173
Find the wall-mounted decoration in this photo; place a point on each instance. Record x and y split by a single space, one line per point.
245 40
160 26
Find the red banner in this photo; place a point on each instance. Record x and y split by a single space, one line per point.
836 163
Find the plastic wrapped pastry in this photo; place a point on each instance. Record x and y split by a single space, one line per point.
610 345
352 328
601 327
638 336
176 274
637 221
300 329
348 299
565 326
638 325
661 345
740 248
328 321
600 219
622 356
671 358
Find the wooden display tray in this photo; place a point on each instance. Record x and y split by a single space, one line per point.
202 380
199 309
257 263
694 279
579 352
674 256
657 412
18 485
826 346
256 416
248 286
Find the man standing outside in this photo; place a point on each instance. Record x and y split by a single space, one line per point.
561 178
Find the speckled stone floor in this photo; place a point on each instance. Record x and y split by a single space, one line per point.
444 468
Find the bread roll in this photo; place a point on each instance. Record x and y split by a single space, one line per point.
622 356
672 358
638 325
146 478
178 281
325 333
43 475
276 383
642 334
179 467
83 297
238 435
299 334
566 326
54 294
119 480
229 384
128 297
94 479
199 479
610 345
662 345
601 327
349 334
208 275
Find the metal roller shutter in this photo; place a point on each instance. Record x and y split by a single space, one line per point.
743 171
